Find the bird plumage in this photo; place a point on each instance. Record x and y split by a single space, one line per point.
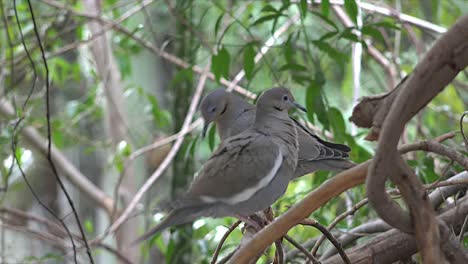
233 115
247 172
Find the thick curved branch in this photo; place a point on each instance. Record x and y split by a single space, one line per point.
447 57
435 147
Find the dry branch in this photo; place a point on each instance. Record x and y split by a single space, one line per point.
447 57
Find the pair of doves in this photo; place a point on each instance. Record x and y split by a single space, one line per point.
261 150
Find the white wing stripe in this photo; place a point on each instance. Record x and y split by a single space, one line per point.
249 192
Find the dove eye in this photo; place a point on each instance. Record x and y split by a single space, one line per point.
285 98
213 109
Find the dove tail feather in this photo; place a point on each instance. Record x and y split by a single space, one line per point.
326 165
176 217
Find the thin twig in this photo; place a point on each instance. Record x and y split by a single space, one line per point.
462 131
49 135
223 239
13 144
463 229
336 221
330 236
302 249
279 255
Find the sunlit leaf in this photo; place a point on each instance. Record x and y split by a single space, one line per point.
325 5
89 227
352 9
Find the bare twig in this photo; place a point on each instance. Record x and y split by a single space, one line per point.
279 255
336 221
462 130
165 140
49 134
302 249
223 239
435 147
330 236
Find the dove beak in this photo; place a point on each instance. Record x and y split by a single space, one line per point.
300 107
205 128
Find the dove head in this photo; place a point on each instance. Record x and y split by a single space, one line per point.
213 106
278 99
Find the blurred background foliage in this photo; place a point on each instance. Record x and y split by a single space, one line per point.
313 57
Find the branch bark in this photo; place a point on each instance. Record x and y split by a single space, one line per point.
394 245
447 57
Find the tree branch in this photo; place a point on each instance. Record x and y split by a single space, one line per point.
447 57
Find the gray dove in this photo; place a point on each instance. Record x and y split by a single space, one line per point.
247 172
233 115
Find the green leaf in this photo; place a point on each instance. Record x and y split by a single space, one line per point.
124 149
269 8
328 35
352 9
326 20
325 7
303 7
212 137
315 105
338 56
337 123
266 18
301 79
293 67
161 117
218 23
349 34
372 32
192 148
89 227
220 64
288 50
387 24
249 61
119 164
